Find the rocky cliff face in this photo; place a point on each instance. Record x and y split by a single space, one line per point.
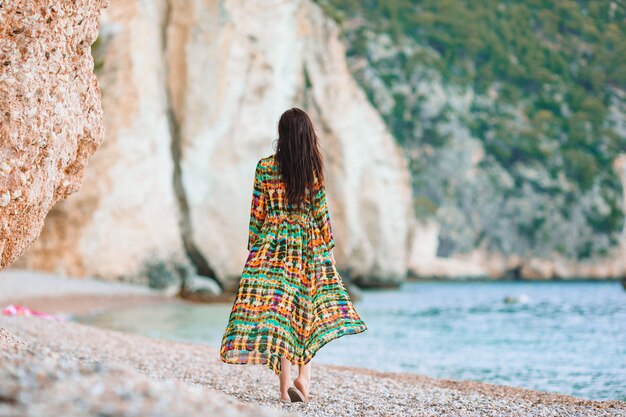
511 156
125 220
192 96
425 262
465 187
50 113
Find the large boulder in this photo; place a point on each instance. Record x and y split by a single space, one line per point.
50 112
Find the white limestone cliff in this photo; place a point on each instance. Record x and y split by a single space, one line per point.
228 99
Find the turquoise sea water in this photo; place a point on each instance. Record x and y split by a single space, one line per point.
567 337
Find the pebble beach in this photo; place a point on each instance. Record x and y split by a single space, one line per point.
52 368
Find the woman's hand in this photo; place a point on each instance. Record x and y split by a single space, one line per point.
332 256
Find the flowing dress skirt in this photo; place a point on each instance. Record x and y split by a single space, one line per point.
291 300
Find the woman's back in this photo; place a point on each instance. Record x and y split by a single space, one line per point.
270 204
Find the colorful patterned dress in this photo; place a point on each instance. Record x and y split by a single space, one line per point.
291 301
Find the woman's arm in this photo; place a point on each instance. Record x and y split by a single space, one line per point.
258 207
322 216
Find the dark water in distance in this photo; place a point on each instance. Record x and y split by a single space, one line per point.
567 337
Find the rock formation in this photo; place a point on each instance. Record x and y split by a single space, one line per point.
423 259
50 112
124 223
231 81
480 263
457 163
192 96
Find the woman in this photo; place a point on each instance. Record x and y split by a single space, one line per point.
291 300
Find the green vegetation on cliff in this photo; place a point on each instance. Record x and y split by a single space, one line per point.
511 114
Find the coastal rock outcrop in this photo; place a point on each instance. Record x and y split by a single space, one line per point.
613 265
192 95
425 263
124 223
457 247
50 111
487 154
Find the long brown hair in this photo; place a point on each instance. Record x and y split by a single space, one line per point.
298 154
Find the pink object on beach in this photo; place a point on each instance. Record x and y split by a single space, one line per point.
18 310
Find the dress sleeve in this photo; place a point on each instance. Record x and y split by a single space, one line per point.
322 216
258 207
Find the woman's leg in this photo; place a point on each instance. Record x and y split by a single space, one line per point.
285 378
303 381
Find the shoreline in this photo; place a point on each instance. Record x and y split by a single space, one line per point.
177 367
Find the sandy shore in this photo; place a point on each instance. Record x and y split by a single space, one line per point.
67 368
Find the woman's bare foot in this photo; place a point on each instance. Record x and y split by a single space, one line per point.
303 386
303 381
